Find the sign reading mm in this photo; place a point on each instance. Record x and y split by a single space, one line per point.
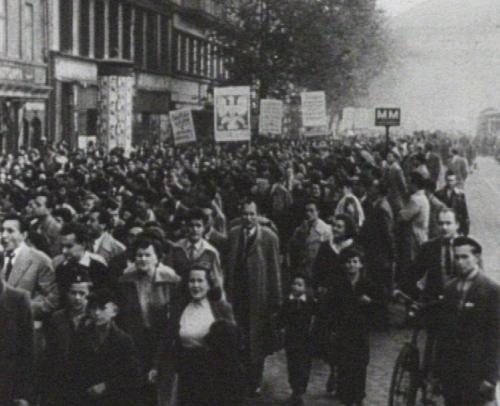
387 117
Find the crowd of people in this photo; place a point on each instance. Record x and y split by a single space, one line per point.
169 275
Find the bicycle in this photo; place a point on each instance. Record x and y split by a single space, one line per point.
409 377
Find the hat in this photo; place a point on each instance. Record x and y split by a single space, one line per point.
79 274
101 297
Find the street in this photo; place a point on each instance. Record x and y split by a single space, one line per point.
483 193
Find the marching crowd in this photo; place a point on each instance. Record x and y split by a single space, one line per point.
169 275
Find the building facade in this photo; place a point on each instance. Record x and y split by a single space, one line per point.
24 89
168 44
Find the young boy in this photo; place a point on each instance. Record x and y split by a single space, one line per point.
107 363
296 318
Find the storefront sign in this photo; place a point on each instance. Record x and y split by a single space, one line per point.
313 109
271 117
182 126
232 113
387 117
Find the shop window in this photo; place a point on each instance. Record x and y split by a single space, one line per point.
127 24
114 32
100 25
66 25
85 27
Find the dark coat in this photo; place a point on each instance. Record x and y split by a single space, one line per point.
114 362
377 235
468 347
16 345
296 318
458 203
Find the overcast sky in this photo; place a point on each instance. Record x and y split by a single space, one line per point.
395 7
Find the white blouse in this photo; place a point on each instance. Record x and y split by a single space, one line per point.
195 323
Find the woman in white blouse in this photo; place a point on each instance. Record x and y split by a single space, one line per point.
184 347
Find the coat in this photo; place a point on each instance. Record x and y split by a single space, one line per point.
16 345
415 217
32 271
468 346
460 168
435 206
394 178
456 200
434 165
50 229
109 247
130 318
305 243
114 362
264 282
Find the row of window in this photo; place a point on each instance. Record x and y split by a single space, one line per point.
26 49
114 29
198 57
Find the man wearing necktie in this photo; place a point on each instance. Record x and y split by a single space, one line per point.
468 343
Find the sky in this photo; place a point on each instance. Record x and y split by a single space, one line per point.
395 7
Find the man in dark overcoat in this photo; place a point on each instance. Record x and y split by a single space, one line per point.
16 346
468 345
254 286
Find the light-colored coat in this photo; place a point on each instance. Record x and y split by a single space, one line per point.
415 216
33 272
109 247
264 282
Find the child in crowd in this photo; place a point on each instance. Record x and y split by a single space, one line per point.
296 318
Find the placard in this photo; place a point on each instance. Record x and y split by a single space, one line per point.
232 114
313 109
271 117
182 126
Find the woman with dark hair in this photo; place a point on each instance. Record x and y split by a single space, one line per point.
353 303
326 276
184 347
147 289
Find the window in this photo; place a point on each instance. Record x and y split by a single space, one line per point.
99 29
66 25
28 32
85 27
3 27
194 58
179 53
152 41
164 43
113 25
210 60
187 55
203 59
127 24
139 38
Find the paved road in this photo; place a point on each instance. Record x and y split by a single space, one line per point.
483 192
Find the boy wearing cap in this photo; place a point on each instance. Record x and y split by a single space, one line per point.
61 332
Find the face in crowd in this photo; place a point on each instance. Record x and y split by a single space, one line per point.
78 296
198 285
72 249
249 215
146 259
311 212
196 229
451 181
448 225
466 260
12 236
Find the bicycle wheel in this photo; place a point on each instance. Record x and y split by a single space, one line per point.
404 382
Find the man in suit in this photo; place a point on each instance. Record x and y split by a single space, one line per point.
214 237
105 245
306 240
27 268
16 349
254 286
455 199
468 345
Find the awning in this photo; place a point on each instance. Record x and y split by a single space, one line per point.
24 90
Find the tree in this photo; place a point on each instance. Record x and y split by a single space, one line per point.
284 46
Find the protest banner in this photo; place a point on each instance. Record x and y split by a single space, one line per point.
232 114
182 126
271 117
314 109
